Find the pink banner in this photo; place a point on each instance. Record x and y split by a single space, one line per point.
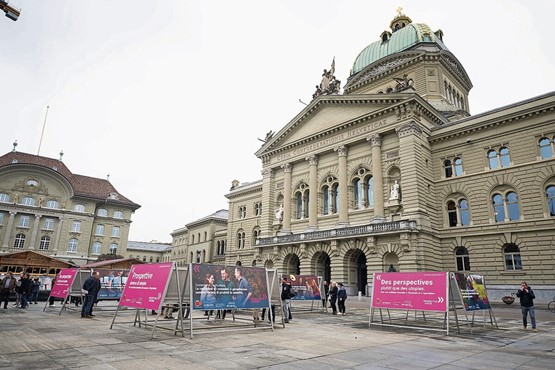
145 285
63 283
420 291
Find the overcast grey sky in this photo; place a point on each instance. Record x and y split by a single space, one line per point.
169 97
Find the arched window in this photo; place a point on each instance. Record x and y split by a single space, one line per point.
102 212
113 248
458 213
241 239
255 235
358 192
52 204
512 206
498 208
546 148
492 160
44 243
370 191
465 212
504 157
462 259
28 201
4 198
72 245
512 257
452 213
448 168
457 164
151 259
19 241
79 208
302 195
550 194
97 248
118 215
330 190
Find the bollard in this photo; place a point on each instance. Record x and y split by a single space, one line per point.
359 295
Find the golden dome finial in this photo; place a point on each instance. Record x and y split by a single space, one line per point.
399 10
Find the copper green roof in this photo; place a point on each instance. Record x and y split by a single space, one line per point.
402 39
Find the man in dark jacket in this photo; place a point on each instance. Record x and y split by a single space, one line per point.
7 286
285 297
90 289
25 290
527 296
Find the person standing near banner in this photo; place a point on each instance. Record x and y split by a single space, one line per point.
90 289
527 296
341 298
286 294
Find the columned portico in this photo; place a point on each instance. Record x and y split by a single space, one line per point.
34 232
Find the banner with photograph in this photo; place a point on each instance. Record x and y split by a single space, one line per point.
473 291
305 287
63 283
112 283
146 285
227 287
422 291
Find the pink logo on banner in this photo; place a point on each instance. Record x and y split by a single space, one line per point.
421 291
145 286
63 283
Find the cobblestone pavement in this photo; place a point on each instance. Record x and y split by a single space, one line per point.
37 339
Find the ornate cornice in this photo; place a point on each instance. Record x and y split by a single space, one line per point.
411 128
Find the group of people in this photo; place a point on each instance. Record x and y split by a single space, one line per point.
26 290
337 295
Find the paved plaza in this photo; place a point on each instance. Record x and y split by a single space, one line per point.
33 339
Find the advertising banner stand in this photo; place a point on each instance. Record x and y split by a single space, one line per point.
62 286
146 289
413 292
308 293
76 295
217 291
472 295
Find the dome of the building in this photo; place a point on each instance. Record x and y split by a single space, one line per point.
405 36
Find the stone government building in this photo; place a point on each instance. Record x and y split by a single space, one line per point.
396 171
46 208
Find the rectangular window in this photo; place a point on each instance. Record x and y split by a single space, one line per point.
96 248
76 227
1 218
24 221
72 245
48 224
115 231
99 230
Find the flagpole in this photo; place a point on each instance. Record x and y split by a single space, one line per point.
43 126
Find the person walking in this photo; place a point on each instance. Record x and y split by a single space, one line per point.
285 299
326 293
18 291
90 288
333 297
7 286
527 296
25 290
341 298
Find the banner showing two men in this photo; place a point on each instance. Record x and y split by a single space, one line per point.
229 287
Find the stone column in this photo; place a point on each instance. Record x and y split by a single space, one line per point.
287 169
376 144
8 229
267 218
34 232
313 195
343 186
58 234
